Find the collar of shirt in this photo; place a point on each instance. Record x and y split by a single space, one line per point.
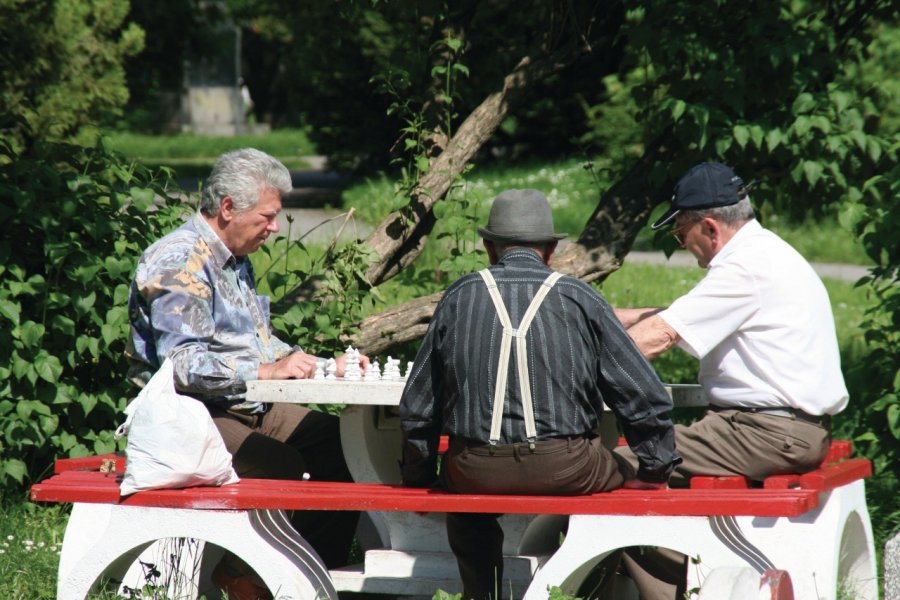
519 255
749 228
221 255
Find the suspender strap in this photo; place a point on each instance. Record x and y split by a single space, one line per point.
521 354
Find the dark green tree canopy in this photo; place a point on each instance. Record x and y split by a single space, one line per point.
62 63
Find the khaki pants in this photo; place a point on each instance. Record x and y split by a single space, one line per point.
556 467
284 443
724 442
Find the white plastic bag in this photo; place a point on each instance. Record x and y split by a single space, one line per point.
172 440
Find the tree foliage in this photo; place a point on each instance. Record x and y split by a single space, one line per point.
62 64
73 221
797 96
343 69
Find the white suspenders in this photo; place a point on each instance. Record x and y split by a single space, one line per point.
521 355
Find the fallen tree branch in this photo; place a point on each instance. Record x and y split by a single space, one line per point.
600 249
399 239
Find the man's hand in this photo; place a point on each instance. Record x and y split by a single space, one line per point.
637 484
341 364
298 365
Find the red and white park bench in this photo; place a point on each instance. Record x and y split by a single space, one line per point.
797 536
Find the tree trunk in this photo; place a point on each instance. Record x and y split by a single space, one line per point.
600 249
621 213
402 235
402 323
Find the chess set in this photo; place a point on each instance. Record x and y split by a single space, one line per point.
376 385
353 372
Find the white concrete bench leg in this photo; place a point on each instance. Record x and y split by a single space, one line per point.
825 550
744 583
734 583
102 541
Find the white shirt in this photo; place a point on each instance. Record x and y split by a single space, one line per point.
761 324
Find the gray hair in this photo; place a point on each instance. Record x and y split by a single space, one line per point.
734 214
242 175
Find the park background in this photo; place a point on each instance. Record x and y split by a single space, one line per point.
421 112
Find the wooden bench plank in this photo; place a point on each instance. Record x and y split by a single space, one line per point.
94 487
112 461
836 474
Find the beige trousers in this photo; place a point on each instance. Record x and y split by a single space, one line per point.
723 442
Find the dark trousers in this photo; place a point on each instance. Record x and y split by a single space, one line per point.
284 443
562 467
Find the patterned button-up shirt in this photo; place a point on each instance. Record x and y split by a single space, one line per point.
580 357
191 299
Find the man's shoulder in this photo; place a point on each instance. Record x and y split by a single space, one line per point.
176 246
463 283
764 249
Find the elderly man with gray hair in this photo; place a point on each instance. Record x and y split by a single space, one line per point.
193 299
760 323
516 367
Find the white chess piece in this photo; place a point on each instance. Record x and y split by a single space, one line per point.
351 368
330 369
391 369
373 372
320 371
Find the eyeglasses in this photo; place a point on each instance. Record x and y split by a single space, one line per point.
679 232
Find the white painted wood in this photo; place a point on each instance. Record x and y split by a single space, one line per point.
823 549
387 393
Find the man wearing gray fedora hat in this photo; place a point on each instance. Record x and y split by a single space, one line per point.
516 367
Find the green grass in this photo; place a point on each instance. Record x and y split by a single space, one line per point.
191 155
567 184
30 540
574 191
820 241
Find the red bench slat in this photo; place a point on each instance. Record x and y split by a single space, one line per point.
91 463
781 482
80 480
94 487
836 474
731 482
838 450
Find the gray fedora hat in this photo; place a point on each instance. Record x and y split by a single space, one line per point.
520 216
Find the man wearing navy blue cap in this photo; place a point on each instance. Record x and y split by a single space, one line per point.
760 322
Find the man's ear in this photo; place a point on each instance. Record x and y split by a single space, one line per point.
491 251
226 209
711 228
549 249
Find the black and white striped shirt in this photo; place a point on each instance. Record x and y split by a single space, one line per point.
580 357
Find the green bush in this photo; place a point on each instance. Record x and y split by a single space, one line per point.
62 64
73 222
878 377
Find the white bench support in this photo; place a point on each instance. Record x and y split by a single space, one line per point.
825 551
103 541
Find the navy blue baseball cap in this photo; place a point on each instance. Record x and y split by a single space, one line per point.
708 185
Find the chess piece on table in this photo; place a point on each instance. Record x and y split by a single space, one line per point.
373 372
409 368
391 369
351 368
330 369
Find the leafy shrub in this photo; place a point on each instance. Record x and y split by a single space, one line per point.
62 64
73 222
878 430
